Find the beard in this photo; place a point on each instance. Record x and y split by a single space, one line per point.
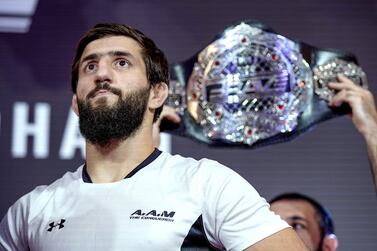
104 123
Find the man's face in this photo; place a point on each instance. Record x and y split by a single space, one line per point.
302 217
112 90
115 60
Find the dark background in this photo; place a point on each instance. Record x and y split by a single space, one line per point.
329 163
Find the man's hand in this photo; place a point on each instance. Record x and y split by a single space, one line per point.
361 101
169 114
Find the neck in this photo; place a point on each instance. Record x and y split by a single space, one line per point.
115 161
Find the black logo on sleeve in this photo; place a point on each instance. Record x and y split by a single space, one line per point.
52 225
153 215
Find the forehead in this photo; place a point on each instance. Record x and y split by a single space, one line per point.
290 208
113 43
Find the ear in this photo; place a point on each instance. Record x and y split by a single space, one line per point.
74 105
158 95
330 242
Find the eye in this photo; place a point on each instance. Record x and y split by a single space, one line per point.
122 63
297 226
90 67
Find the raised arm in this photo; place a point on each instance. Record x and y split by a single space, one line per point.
364 114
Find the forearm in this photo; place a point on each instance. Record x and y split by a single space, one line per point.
369 132
371 142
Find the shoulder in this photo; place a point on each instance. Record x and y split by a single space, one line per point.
207 175
30 204
204 164
14 227
205 169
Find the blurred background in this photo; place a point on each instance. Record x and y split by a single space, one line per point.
39 140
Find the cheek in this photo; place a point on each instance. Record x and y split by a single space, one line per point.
133 80
305 236
82 89
80 93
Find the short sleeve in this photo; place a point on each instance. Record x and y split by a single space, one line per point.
235 216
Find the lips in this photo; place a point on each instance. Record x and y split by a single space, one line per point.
103 89
101 92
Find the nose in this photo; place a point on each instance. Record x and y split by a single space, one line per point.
104 73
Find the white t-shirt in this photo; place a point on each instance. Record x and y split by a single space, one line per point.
167 203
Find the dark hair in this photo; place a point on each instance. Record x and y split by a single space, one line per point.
155 61
326 224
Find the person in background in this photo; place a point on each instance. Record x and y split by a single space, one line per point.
311 221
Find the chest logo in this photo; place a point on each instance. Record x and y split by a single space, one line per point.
59 224
153 215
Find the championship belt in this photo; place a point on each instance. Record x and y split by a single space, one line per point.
253 87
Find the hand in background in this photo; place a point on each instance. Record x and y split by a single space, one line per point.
361 101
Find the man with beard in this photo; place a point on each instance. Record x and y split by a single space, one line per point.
129 195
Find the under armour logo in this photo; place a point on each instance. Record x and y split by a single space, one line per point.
52 225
